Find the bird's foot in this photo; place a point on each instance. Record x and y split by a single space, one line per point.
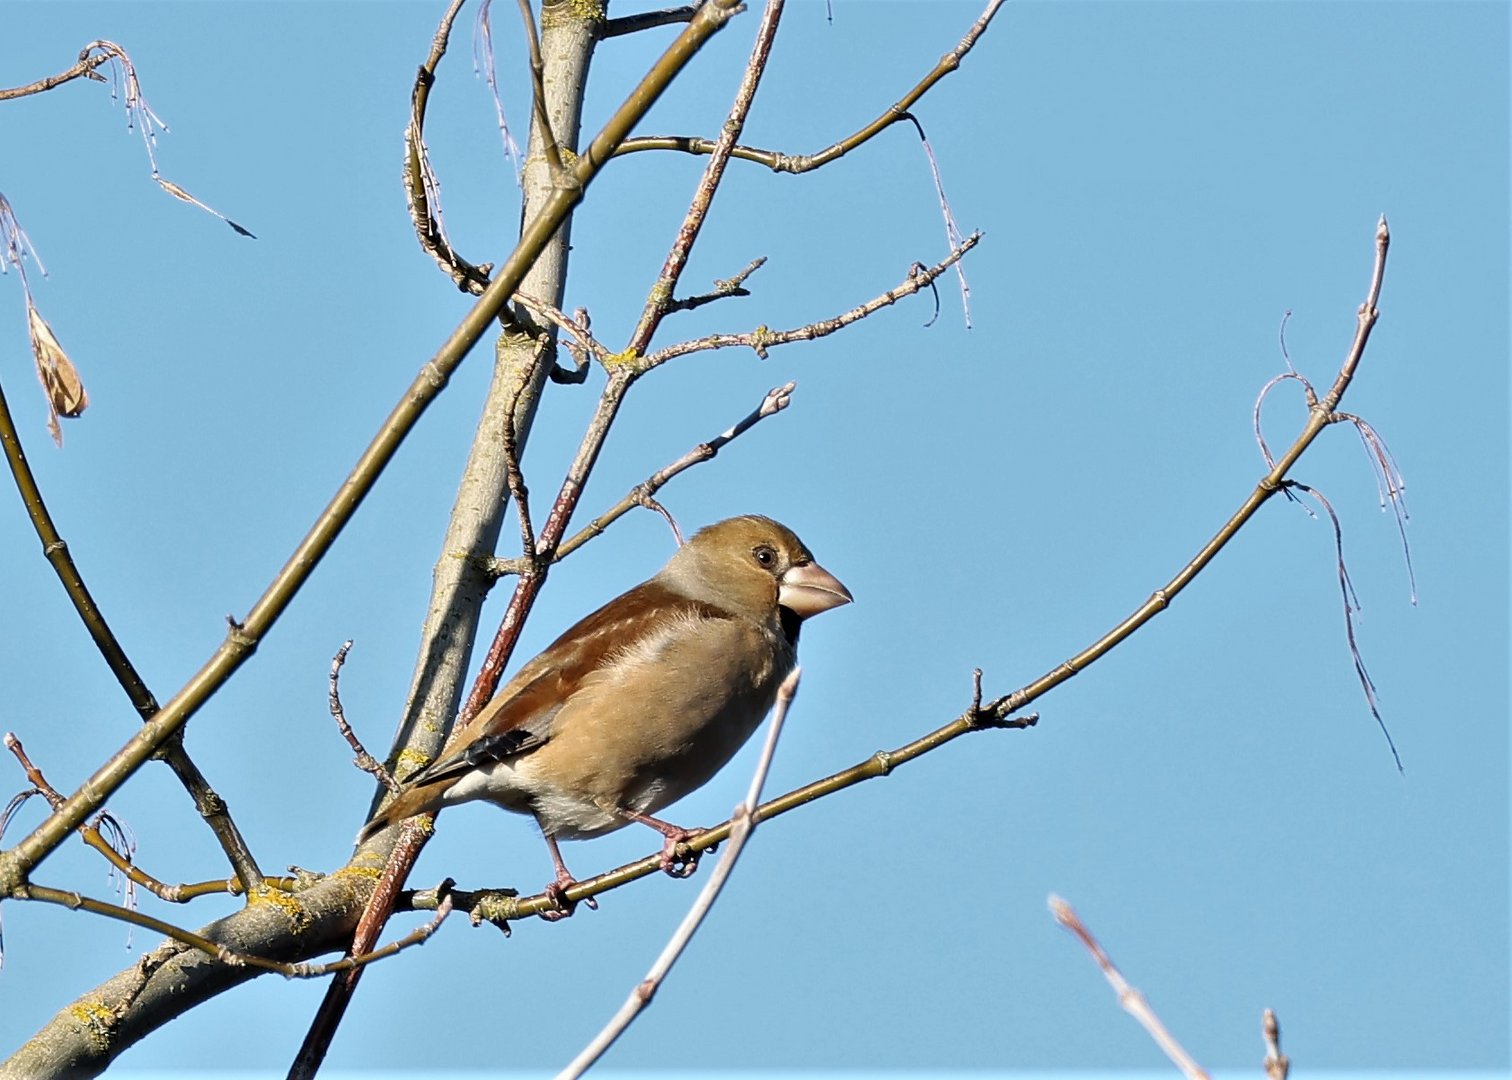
562 908
677 859
556 892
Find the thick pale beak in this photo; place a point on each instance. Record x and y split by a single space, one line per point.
809 589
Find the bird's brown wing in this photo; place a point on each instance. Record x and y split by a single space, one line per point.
518 719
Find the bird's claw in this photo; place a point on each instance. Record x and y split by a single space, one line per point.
556 892
562 908
677 859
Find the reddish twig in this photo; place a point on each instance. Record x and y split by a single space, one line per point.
659 302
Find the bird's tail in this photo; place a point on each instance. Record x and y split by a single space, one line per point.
411 801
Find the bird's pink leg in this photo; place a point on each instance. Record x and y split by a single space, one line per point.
557 890
671 863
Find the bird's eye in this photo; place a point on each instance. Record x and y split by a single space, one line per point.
764 555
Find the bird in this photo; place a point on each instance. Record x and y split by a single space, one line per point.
641 702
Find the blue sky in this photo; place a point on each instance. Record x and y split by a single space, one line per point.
1158 183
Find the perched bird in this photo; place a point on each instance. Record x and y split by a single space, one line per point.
641 702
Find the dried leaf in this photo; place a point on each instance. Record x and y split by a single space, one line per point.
179 193
60 379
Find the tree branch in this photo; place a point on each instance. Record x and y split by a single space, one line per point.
647 20
761 339
801 163
84 69
1319 417
422 191
1132 1000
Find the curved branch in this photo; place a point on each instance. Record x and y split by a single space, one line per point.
801 163
1319 417
422 191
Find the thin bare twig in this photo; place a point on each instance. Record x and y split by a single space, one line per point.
547 143
666 515
953 236
515 477
743 824
484 63
761 339
1307 390
723 288
363 760
1277 1064
78 902
1391 486
85 69
1132 1000
1318 418
646 20
138 113
800 163
776 399
503 905
118 848
658 302
577 326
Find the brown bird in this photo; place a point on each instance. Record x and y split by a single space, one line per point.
641 702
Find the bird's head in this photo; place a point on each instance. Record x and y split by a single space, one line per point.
754 565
